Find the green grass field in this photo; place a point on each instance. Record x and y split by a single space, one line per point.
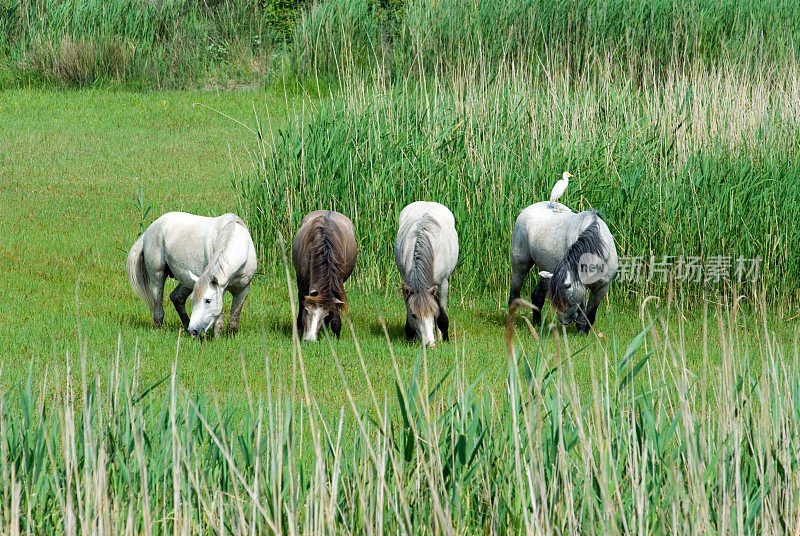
74 164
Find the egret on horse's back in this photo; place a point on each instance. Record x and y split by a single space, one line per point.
207 256
558 190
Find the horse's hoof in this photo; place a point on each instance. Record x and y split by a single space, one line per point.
583 329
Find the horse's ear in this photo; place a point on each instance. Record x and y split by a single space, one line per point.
194 277
545 275
405 289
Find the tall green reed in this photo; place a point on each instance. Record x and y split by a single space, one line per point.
651 447
169 43
642 39
703 165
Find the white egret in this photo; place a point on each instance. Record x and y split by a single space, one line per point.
558 190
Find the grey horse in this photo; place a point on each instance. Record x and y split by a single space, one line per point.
574 253
207 256
426 253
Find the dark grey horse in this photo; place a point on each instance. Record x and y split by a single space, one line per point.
574 253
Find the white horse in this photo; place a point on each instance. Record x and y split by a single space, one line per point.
574 252
426 253
181 245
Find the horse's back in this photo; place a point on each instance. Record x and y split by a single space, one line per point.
342 228
413 212
543 236
437 223
187 242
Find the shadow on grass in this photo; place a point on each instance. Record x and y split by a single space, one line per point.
396 330
282 326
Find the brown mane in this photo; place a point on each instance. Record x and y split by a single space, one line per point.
422 303
325 244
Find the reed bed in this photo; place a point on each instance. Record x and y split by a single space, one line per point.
651 447
702 163
643 39
178 43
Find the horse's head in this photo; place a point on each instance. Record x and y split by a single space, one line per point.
421 311
206 304
567 293
318 312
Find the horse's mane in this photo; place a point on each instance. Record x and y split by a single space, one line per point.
215 269
419 277
327 251
589 241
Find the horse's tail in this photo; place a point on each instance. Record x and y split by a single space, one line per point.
137 274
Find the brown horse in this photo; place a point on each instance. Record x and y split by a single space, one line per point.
324 255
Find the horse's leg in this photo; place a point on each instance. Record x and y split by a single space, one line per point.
410 333
236 308
302 292
219 323
519 271
178 297
538 296
157 279
442 322
595 298
336 325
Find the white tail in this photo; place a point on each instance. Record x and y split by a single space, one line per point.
137 274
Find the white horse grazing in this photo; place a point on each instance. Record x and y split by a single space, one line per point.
426 253
181 245
574 252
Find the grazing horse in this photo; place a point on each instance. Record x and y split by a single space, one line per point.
323 254
181 245
426 253
574 252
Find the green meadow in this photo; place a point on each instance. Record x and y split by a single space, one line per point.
85 171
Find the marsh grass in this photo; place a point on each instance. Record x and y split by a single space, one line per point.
651 448
640 39
180 43
140 44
